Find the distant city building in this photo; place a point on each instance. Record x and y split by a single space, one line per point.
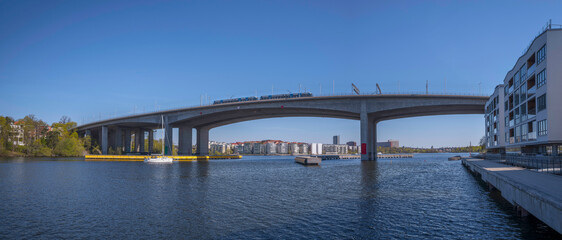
218 147
303 148
525 117
248 148
336 139
389 144
316 148
351 143
258 148
270 148
294 148
17 129
283 148
335 148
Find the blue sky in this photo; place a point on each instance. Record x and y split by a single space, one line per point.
87 59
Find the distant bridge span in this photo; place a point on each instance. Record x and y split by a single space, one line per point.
369 109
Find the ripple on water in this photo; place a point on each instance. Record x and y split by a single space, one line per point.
254 198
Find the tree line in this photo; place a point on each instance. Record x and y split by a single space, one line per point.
31 136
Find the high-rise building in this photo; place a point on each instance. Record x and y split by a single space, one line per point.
337 139
525 117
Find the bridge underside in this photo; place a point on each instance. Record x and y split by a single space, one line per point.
128 135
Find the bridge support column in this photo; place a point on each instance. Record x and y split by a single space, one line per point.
139 140
168 144
373 140
184 140
368 135
127 143
118 139
104 140
202 141
150 141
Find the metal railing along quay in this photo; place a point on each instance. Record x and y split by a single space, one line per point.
546 164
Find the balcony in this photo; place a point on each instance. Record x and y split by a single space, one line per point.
511 140
531 70
531 91
511 123
532 136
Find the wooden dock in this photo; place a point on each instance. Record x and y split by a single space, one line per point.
395 155
335 157
140 158
308 160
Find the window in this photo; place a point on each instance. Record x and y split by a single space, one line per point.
541 102
523 111
516 77
523 92
542 128
523 73
516 98
541 54
541 78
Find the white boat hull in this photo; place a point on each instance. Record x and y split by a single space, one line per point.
159 160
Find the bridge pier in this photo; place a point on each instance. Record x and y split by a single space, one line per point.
202 141
368 134
127 143
184 140
118 139
104 140
139 140
150 141
168 144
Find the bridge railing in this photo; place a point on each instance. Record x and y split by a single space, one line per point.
174 106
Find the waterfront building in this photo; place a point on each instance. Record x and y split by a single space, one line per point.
335 148
270 148
336 139
294 148
283 148
248 148
389 144
531 100
258 148
316 148
303 148
495 121
351 143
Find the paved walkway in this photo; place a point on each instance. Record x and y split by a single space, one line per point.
538 193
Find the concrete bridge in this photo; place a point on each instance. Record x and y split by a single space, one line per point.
369 109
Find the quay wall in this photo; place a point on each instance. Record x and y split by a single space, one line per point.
536 193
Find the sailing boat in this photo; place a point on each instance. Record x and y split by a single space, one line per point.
162 158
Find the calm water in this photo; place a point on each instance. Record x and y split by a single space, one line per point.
256 197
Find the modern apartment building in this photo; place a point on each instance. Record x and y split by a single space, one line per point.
531 107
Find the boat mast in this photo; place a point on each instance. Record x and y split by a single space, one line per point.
163 135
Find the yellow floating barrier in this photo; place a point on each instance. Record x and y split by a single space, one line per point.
140 158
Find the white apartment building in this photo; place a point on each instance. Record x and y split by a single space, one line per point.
529 109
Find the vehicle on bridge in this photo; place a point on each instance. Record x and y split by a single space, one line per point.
287 95
244 99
